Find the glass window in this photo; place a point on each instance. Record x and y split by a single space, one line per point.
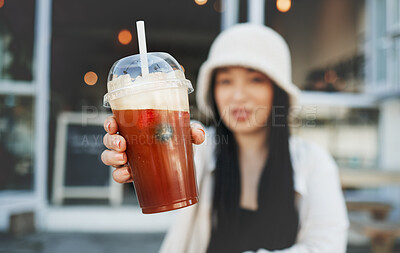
381 57
16 142
396 11
381 18
85 41
385 45
381 66
16 40
349 134
397 63
395 14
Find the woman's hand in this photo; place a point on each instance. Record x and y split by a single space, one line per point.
115 154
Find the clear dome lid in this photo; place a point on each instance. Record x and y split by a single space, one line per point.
126 78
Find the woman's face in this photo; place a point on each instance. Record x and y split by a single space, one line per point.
244 98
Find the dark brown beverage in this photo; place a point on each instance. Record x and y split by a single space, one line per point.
160 156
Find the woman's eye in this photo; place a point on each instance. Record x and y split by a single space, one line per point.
224 81
258 79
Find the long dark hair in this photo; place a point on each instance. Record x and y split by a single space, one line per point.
276 200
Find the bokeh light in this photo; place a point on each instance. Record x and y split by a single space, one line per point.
1 3
124 37
283 5
200 2
90 78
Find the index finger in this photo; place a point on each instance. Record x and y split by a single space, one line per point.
110 125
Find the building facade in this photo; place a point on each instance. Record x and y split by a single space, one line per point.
346 59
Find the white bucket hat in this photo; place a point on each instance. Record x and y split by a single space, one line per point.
251 46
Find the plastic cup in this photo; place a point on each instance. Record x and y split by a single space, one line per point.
152 112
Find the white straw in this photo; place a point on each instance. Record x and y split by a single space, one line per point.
142 47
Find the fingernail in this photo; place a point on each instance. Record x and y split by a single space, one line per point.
127 173
117 143
201 129
198 126
122 157
108 126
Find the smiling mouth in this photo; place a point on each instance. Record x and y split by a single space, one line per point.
241 114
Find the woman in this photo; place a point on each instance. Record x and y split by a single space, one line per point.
260 190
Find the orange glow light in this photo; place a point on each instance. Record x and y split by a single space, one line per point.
1 3
90 78
200 2
283 5
124 37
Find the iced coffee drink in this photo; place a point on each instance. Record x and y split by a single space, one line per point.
152 112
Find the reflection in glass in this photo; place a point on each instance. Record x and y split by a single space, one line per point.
346 75
16 40
16 142
349 134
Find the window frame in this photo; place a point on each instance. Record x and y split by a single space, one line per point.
35 199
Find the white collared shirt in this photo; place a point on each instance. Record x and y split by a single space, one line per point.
323 221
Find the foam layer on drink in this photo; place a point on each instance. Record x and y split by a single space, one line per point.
162 91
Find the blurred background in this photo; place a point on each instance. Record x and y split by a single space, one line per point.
54 60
